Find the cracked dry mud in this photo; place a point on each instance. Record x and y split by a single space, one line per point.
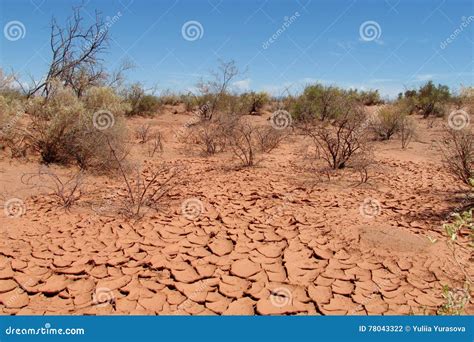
264 244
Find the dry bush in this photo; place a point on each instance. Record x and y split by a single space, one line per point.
253 102
65 129
387 121
362 163
213 92
342 138
243 142
155 144
66 189
143 189
407 131
210 137
11 111
458 149
268 138
142 133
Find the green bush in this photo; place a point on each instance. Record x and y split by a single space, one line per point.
253 102
318 101
388 121
429 99
141 103
65 129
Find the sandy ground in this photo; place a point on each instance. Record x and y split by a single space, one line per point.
278 238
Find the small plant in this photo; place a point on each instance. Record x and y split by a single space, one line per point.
455 300
268 138
67 189
143 189
459 153
210 137
155 144
142 133
242 142
407 131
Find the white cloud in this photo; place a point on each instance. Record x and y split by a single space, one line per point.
242 85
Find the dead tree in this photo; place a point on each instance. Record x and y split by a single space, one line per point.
76 51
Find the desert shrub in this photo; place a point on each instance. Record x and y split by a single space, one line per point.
387 121
142 133
144 188
268 138
369 98
459 153
141 103
253 102
167 97
340 139
64 129
318 101
11 112
213 91
66 189
104 99
189 101
210 137
431 99
467 98
155 144
407 131
243 142
362 163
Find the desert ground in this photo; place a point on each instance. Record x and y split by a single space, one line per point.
276 238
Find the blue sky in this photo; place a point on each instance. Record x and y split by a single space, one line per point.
323 41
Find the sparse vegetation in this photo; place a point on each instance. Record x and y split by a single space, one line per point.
338 140
458 147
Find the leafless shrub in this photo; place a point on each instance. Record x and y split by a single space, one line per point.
362 163
210 137
458 149
155 144
213 91
268 138
407 131
339 140
143 189
243 142
67 189
142 133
